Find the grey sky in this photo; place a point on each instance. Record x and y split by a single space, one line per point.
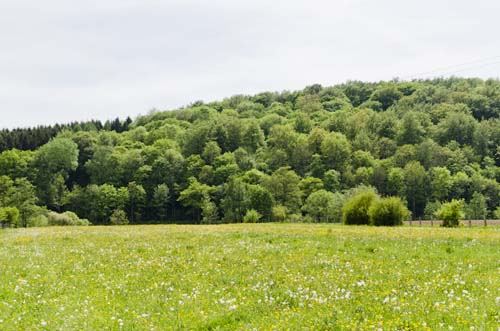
64 61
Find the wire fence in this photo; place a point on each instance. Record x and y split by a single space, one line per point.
469 223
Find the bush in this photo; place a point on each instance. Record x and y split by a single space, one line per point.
9 216
355 211
38 221
451 213
118 217
252 216
279 213
497 213
66 218
389 211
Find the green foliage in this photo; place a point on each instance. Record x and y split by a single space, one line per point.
252 216
161 199
16 164
284 186
416 187
310 185
280 213
336 151
476 209
386 95
497 213
209 211
441 182
195 195
260 200
210 152
97 203
388 211
411 130
66 218
38 221
355 211
9 216
118 217
451 213
54 161
136 201
430 209
321 206
425 141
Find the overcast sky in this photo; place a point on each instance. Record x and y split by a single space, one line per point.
64 61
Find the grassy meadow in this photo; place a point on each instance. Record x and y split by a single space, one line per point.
249 277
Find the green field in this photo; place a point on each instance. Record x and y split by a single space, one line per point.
249 277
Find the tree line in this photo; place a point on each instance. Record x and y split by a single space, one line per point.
32 138
275 156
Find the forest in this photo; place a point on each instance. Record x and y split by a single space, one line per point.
297 156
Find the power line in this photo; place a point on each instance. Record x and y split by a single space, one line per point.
473 67
471 64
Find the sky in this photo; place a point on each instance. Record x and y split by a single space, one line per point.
63 61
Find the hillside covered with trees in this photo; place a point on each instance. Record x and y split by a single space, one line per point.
289 156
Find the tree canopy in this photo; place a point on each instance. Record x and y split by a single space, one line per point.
275 155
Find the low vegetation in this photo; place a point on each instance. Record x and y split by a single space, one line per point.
451 213
388 212
355 211
249 276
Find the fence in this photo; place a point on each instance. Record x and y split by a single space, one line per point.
469 223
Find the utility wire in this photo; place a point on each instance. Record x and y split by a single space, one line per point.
473 67
471 64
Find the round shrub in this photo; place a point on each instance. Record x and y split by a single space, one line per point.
389 211
355 211
252 216
451 213
118 217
